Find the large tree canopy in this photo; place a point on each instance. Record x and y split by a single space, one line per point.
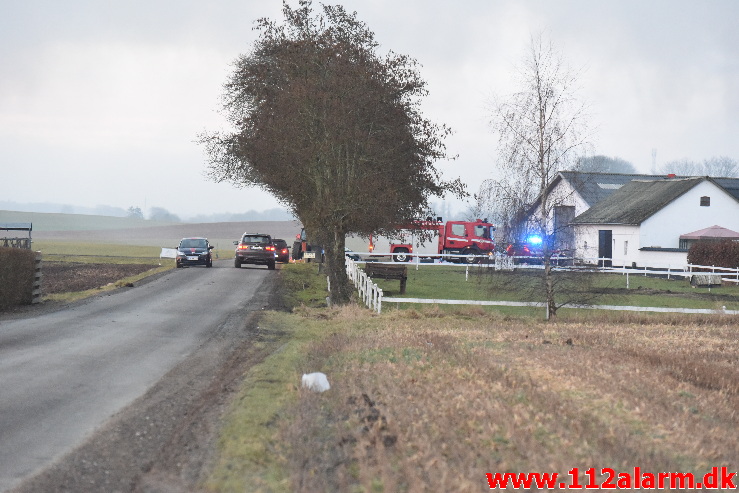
331 129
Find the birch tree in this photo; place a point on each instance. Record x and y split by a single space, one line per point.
542 129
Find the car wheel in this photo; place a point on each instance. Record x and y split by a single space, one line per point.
271 266
237 264
209 263
401 255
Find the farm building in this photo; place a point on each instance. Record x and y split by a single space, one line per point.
572 193
641 224
638 219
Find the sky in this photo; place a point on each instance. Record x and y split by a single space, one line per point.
101 101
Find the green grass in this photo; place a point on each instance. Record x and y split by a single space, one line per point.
304 285
476 283
250 451
71 251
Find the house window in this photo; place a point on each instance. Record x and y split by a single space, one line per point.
705 201
626 247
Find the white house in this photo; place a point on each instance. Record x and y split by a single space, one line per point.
571 193
640 223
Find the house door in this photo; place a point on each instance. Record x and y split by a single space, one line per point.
564 234
605 247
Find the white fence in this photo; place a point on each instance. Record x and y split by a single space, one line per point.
504 262
372 295
369 292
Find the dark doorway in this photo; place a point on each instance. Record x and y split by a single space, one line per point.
564 234
605 247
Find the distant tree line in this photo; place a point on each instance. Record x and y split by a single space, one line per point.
717 166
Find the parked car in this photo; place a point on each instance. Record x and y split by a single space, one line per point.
255 248
282 252
528 251
194 251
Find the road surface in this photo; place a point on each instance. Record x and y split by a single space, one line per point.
64 374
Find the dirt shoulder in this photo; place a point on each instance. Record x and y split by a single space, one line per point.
165 440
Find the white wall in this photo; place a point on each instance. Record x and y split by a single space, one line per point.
663 229
685 215
626 248
562 194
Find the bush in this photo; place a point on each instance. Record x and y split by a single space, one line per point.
723 253
17 269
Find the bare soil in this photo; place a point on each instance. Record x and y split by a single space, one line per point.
165 440
65 277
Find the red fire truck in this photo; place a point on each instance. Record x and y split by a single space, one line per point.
462 241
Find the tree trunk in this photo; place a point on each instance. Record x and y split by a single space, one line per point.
549 286
341 289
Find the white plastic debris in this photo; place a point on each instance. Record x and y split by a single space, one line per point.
317 382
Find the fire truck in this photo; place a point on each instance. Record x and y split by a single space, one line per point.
463 241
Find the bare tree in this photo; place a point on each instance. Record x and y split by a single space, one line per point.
605 164
721 166
542 129
681 167
718 166
332 129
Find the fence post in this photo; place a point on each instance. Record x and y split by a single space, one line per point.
36 291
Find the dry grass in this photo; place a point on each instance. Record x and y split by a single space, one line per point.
431 400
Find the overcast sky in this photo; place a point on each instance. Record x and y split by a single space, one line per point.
101 101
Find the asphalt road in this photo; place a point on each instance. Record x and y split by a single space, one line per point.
64 374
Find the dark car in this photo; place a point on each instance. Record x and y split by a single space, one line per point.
282 252
526 252
194 251
531 251
255 248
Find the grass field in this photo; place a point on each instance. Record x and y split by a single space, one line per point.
475 283
432 400
75 222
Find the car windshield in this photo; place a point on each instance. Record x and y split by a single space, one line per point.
255 239
193 243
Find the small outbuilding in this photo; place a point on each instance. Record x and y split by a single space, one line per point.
714 233
10 235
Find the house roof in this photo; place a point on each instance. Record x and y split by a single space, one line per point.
636 201
714 232
594 187
731 185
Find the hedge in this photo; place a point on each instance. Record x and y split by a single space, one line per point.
17 272
723 253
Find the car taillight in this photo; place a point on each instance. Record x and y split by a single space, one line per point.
284 250
243 247
270 248
371 247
